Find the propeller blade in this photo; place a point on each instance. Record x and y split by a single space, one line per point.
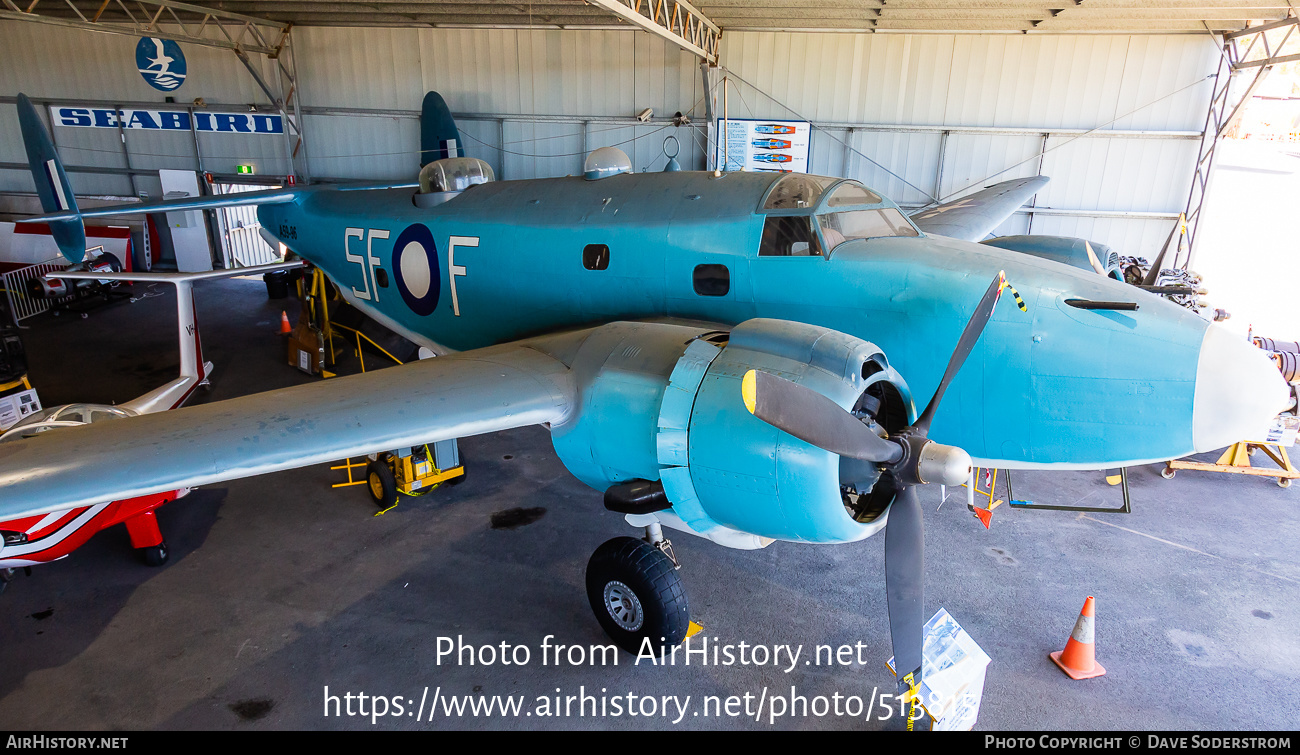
1153 274
975 327
1092 259
813 418
905 583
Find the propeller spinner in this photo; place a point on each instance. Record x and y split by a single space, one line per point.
909 456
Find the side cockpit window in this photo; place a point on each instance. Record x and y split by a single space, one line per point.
789 236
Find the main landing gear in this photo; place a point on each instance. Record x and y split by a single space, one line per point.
147 539
636 593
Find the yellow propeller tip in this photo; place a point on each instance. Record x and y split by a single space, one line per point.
748 388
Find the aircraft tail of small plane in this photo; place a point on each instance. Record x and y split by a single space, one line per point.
52 184
194 371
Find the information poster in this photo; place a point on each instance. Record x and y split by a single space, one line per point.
773 146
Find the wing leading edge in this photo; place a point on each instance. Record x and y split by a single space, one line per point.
974 216
466 394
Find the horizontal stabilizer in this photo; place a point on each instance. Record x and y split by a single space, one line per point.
177 277
241 199
974 216
272 196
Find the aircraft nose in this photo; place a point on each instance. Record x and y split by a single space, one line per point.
1239 391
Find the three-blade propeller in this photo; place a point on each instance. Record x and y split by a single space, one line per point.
908 456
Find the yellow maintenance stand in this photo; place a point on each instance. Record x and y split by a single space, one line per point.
411 471
1236 460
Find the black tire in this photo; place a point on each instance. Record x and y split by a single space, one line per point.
636 594
382 485
155 555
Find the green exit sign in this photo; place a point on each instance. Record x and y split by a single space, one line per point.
244 169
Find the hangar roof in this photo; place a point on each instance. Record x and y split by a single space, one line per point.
1010 16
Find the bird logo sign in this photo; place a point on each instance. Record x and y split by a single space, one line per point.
161 63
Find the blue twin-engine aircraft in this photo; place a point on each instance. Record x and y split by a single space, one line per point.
722 354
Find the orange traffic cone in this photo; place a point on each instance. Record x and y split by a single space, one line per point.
284 322
1077 660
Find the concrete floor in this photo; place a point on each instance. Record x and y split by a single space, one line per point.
280 586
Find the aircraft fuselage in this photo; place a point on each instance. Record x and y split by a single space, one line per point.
1054 386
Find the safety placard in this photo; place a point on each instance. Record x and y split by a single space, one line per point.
17 407
773 146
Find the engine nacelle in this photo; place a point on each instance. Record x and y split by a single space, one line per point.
663 403
1064 249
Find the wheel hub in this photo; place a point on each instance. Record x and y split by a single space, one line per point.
623 606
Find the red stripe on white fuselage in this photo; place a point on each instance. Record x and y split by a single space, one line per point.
69 529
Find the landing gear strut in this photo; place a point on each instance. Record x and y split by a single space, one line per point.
147 539
636 593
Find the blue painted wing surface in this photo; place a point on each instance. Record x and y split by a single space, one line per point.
974 216
436 399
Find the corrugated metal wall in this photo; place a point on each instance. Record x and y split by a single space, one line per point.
575 78
858 86
540 99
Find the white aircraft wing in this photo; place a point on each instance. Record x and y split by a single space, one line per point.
974 216
455 396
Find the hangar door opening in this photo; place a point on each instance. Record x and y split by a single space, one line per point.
242 244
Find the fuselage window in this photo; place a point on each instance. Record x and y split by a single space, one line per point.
595 256
838 227
789 236
712 280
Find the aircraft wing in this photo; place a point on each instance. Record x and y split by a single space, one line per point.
974 216
465 394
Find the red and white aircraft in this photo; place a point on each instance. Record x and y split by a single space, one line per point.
32 540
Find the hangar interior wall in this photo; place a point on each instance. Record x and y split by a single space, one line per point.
941 112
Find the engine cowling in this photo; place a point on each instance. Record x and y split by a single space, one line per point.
663 403
1064 249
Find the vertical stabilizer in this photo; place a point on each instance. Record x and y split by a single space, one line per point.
194 371
51 182
439 137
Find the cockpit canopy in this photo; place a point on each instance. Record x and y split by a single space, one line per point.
811 215
68 415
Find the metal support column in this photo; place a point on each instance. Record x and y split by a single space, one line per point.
848 151
938 170
1033 202
1260 47
707 74
501 148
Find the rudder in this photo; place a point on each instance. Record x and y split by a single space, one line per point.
439 137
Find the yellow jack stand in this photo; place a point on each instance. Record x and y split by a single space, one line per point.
993 483
350 465
1236 460
985 515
